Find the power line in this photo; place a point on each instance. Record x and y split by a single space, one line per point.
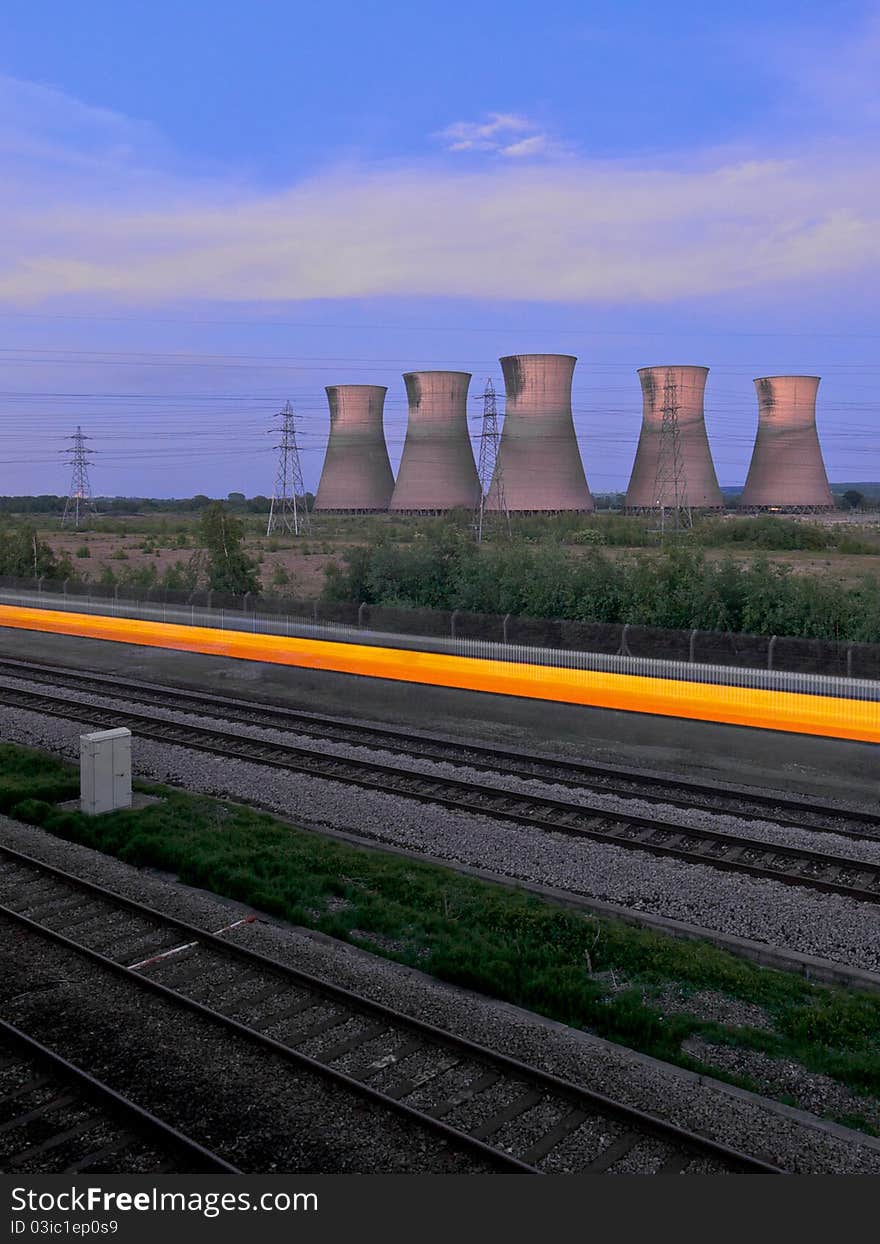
256 322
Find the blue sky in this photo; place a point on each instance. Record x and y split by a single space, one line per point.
206 208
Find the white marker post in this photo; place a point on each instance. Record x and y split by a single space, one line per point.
105 771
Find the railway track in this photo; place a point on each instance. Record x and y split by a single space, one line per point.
831 874
56 1118
576 774
516 1117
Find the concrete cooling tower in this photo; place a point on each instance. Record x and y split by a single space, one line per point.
437 471
357 477
679 390
538 454
787 471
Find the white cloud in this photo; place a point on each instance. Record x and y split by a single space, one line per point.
503 133
48 133
536 144
94 211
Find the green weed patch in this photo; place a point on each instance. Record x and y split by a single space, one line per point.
599 975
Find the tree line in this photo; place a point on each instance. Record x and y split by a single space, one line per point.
675 586
48 503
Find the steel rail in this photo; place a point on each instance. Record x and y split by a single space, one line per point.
360 1006
138 1121
576 774
829 874
460 1139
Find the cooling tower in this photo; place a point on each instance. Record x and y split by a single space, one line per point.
787 471
538 455
679 390
437 470
356 477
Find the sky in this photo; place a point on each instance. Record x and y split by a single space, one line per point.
210 207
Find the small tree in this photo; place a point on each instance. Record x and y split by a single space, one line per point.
280 576
229 568
853 498
24 554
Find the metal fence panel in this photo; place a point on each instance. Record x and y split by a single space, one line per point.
410 621
731 649
343 612
486 626
536 632
865 661
809 656
537 636
655 641
592 636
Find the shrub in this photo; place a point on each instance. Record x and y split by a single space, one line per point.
673 587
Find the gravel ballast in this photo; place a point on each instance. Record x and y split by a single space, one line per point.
65 1002
763 829
826 926
257 1110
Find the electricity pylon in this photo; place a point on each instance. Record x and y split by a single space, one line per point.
285 512
80 503
670 481
489 466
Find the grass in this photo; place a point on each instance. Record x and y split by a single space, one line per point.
499 941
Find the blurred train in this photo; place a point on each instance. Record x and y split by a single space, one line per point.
824 705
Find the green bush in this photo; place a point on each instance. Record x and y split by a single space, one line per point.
770 531
30 776
674 587
182 576
32 811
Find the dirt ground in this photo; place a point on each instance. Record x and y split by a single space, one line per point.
295 566
302 560
849 568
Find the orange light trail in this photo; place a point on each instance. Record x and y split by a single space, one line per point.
828 716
